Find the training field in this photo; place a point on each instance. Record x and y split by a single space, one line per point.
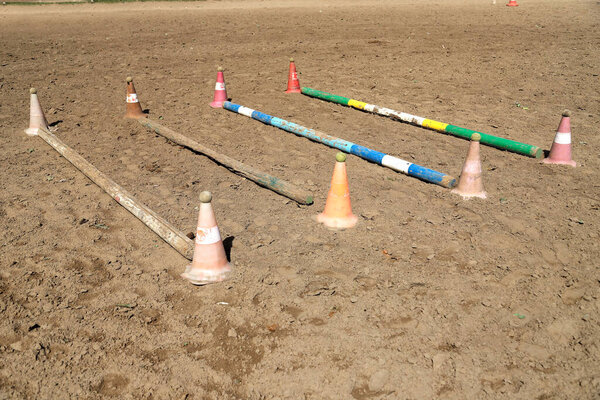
428 296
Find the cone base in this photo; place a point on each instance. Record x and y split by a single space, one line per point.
32 131
337 222
551 161
217 104
199 276
135 116
469 195
512 5
294 91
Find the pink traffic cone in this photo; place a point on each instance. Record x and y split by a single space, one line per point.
209 263
220 91
37 119
133 108
560 152
470 183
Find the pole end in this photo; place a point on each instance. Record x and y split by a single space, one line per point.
448 181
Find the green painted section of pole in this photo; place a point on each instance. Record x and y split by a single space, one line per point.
489 140
325 96
498 142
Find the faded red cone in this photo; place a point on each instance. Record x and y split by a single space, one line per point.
37 119
338 211
209 263
470 183
134 109
560 152
512 3
220 91
293 83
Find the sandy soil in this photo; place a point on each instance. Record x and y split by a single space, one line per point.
428 297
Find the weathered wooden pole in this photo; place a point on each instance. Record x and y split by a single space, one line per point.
277 185
159 225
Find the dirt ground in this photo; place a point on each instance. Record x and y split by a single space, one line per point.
429 296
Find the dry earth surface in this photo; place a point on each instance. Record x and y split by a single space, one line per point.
429 296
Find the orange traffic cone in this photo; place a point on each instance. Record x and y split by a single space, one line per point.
338 211
37 119
512 3
470 183
209 263
560 152
220 91
134 109
293 83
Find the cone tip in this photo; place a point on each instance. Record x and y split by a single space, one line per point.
566 113
219 69
33 90
291 59
205 197
340 157
129 79
476 137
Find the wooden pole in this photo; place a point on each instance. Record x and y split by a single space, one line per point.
489 140
277 185
160 226
385 160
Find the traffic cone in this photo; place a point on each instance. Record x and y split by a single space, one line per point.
220 91
134 109
512 3
37 119
470 183
293 83
209 263
560 152
338 211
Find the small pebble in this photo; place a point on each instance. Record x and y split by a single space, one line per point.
378 380
17 346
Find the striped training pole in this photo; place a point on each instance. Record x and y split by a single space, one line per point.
385 160
490 140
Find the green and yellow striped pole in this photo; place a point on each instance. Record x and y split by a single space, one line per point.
490 140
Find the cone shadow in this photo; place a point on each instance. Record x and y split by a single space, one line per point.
228 244
55 123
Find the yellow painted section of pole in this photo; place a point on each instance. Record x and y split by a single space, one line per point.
435 125
357 104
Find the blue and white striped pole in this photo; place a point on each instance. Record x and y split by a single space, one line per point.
377 157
